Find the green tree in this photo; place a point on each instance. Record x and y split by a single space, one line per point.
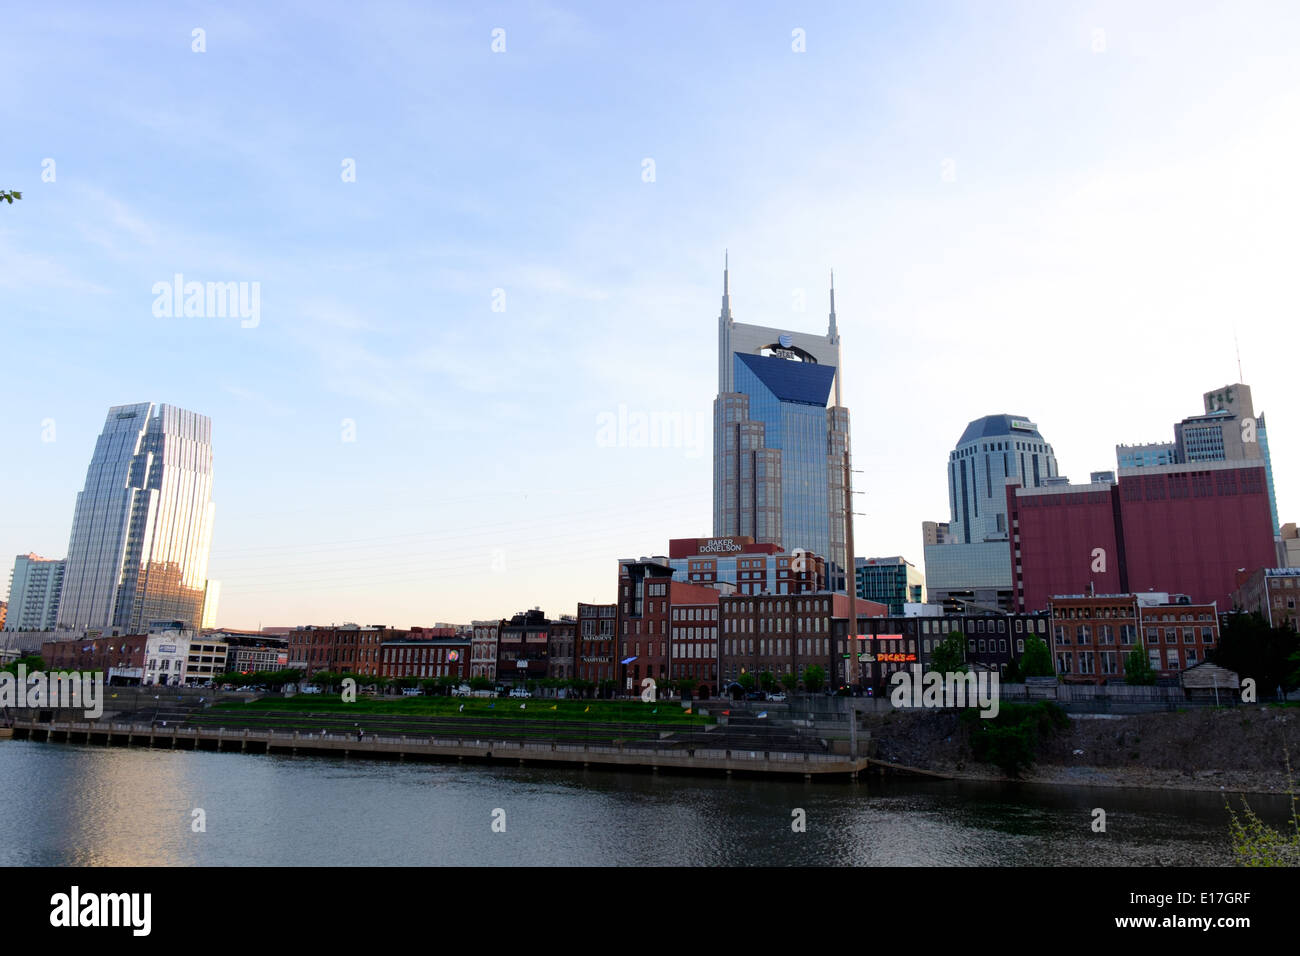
789 682
746 680
1255 843
1036 661
814 678
687 685
949 657
1253 649
33 662
1137 667
767 680
480 683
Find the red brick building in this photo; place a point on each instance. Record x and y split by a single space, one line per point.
348 648
596 644
787 634
424 657
523 653
1272 593
120 659
1092 635
1186 528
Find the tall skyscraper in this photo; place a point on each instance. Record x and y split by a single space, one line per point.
970 564
780 436
142 530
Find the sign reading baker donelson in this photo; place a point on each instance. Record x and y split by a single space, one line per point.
720 546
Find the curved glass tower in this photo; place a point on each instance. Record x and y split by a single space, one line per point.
142 530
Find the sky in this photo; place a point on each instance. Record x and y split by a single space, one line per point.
467 259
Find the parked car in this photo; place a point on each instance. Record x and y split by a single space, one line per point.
520 692
462 691
411 692
481 693
310 689
776 697
754 695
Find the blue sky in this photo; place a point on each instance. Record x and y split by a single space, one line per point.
1024 215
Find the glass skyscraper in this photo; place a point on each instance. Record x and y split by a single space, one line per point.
780 436
142 530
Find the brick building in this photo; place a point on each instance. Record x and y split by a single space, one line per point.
596 650
425 657
786 634
483 651
524 653
346 648
992 642
120 659
561 648
1092 635
1270 592
1187 528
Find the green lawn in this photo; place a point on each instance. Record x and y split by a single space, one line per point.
580 711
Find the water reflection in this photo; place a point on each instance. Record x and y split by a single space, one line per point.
84 805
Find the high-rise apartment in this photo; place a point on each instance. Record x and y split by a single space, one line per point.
142 530
35 585
780 438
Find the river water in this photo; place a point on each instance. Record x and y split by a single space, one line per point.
82 805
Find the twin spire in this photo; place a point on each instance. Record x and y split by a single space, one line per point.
726 292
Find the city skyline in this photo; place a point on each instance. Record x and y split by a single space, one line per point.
1078 253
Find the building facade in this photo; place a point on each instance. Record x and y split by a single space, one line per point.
425 657
1093 634
142 529
1272 593
1181 528
971 567
346 648
738 564
524 649
564 632
483 649
893 581
120 659
35 587
596 650
781 439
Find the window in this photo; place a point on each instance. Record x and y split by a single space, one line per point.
1020 645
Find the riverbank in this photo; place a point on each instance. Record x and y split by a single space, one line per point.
1238 749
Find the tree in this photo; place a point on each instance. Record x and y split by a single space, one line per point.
1036 661
687 685
789 681
480 683
814 678
1253 649
746 680
1137 667
949 657
768 680
33 662
9 195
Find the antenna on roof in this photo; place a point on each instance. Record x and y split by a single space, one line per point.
1240 377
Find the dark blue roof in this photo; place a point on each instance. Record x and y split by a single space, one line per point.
996 426
790 381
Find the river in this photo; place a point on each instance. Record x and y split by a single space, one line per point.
82 805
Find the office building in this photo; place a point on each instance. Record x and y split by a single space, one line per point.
523 654
893 582
1183 528
142 529
1228 430
970 569
781 439
739 564
35 586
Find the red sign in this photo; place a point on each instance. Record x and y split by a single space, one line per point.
889 637
896 658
